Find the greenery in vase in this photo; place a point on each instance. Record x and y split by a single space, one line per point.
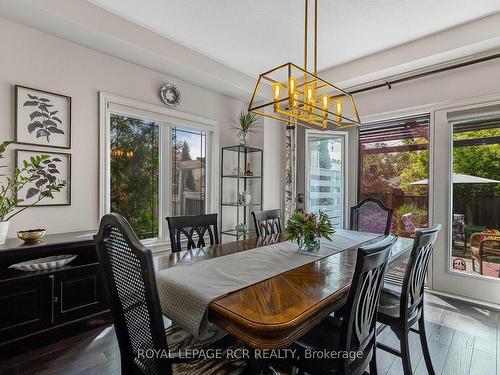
309 226
247 123
39 171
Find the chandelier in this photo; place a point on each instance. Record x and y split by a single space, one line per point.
302 98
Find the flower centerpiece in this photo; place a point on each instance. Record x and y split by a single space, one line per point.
307 229
246 125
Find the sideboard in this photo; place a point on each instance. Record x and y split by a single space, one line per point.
41 306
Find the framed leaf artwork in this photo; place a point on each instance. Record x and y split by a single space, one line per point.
42 118
54 169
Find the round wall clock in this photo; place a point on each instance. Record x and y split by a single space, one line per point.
170 94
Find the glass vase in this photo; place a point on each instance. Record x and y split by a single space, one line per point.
309 246
244 139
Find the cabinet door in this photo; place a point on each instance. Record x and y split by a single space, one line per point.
78 293
25 306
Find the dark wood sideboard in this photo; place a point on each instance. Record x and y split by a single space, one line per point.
42 306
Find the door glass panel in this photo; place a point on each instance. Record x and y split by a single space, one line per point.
326 177
476 198
188 171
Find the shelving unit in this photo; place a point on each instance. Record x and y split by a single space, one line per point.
240 156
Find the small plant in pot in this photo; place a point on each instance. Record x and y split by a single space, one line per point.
246 125
307 229
38 170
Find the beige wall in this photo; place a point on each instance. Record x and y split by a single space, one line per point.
35 59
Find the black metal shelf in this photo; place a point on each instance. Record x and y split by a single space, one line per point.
240 205
231 176
242 183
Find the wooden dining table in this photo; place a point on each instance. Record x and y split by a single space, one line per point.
274 313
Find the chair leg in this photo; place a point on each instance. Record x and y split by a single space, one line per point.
425 346
405 350
373 362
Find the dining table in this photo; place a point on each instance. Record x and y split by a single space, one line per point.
275 312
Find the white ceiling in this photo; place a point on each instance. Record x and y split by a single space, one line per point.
255 35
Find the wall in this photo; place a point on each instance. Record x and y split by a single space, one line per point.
35 59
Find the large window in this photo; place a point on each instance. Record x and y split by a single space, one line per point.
394 168
476 197
134 174
153 165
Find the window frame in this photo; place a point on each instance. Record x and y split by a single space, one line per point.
167 118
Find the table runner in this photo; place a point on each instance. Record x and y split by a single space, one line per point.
186 291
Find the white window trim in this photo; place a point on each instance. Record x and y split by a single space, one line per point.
345 169
167 117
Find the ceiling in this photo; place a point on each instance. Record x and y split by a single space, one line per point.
256 35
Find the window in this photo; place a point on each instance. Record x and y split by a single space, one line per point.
188 171
394 168
326 174
155 162
476 197
134 172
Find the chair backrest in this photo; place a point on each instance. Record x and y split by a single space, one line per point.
359 326
193 228
267 222
412 291
127 270
370 215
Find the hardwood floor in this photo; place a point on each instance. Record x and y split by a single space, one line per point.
463 339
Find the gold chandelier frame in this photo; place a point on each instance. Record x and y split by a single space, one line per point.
302 98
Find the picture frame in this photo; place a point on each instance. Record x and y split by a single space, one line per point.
42 118
63 166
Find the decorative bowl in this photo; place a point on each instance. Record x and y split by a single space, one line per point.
32 235
43 264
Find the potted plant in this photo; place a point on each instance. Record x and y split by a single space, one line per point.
308 228
36 170
246 124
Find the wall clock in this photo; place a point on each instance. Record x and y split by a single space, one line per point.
170 94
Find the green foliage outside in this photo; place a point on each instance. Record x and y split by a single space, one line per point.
135 180
185 155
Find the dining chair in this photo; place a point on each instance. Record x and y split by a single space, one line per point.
370 215
129 278
401 307
267 222
355 330
192 229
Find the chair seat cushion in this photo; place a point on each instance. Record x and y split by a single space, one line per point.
323 338
390 299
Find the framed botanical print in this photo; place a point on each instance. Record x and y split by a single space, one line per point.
52 170
42 118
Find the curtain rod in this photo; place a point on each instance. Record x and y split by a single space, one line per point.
425 74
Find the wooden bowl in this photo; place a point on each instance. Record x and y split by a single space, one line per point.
32 235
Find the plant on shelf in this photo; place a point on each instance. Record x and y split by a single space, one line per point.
307 229
246 125
37 175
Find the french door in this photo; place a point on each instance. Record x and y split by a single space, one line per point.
466 195
326 178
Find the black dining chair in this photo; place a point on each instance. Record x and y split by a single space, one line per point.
192 229
129 278
355 330
401 307
267 222
370 215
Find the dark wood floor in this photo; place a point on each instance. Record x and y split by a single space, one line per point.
463 339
